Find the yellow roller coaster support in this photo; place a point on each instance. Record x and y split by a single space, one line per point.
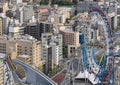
13 67
96 45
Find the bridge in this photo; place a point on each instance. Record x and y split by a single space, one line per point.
33 76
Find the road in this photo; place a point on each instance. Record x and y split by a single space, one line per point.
38 77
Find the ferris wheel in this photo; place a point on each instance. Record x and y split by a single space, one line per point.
104 72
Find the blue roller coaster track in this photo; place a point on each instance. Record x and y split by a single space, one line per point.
106 70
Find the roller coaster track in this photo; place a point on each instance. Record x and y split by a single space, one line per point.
104 72
95 45
11 65
12 78
110 47
109 54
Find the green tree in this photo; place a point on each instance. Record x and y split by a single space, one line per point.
44 2
64 51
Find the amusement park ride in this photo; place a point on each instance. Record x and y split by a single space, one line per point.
8 67
15 72
105 72
99 74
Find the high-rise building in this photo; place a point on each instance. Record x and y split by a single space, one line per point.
19 14
28 13
57 16
51 50
112 13
31 29
45 27
3 7
22 45
36 29
23 13
2 56
70 37
70 40
15 30
5 24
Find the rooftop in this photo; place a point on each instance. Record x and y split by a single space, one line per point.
24 56
86 75
59 78
69 30
2 55
26 38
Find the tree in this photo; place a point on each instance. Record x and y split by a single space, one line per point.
44 2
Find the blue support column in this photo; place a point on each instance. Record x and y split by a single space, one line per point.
84 52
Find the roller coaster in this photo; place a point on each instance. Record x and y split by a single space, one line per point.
11 65
95 45
6 74
11 76
104 72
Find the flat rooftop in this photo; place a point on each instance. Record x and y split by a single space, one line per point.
2 55
24 56
24 38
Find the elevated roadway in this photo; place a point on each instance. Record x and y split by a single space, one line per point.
33 76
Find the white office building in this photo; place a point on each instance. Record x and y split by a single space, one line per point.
51 50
